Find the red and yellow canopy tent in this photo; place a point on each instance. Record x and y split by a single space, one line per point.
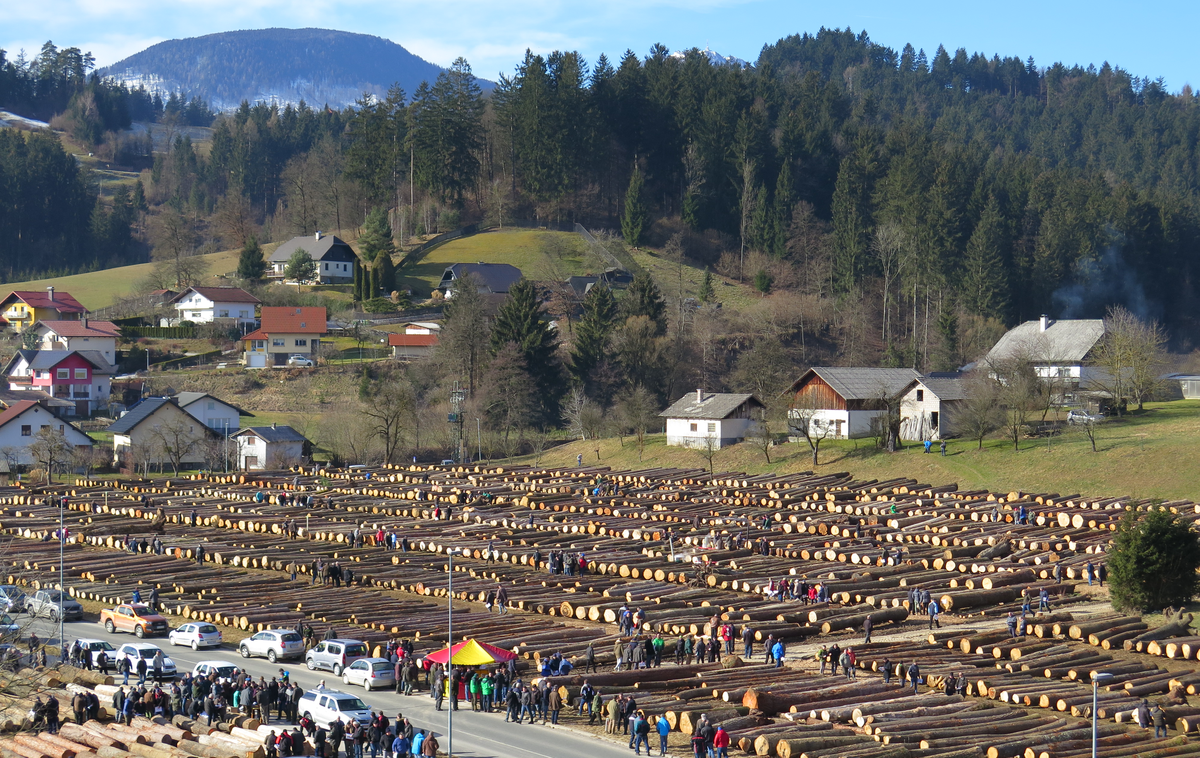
471 652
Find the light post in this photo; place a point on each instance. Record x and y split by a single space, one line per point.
1098 678
450 553
62 585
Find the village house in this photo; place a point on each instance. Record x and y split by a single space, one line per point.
1060 351
417 341
843 403
204 305
149 431
701 418
286 333
491 278
82 376
334 258
928 407
211 411
270 447
24 308
82 335
20 423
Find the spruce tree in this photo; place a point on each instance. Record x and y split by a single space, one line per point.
984 289
376 237
251 264
633 220
706 293
785 201
592 333
643 298
521 321
1153 561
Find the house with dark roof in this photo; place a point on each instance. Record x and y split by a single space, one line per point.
82 376
1061 351
930 408
843 402
334 258
20 423
212 411
491 278
285 332
149 431
698 417
271 447
204 305
22 309
84 334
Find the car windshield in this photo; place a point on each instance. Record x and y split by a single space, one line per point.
149 653
350 704
206 628
357 649
382 666
290 637
6 620
52 596
227 672
100 646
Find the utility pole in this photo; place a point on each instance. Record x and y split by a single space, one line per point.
458 396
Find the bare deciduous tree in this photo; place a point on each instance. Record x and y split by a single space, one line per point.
178 439
1132 355
50 449
638 413
708 446
979 414
804 418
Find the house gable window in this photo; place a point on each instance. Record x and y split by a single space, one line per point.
64 373
920 395
81 373
26 430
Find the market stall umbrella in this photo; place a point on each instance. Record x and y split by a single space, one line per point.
472 652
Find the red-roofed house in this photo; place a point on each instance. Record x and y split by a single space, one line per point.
24 308
207 304
285 332
86 334
20 424
417 341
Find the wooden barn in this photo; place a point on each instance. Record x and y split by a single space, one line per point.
841 403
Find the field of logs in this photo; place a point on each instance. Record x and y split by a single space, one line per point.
102 737
690 550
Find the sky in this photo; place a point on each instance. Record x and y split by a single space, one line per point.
1151 40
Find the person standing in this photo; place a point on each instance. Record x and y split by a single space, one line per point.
747 642
868 625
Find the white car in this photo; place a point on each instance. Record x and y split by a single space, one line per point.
370 673
224 670
94 648
135 650
195 636
273 644
326 706
300 360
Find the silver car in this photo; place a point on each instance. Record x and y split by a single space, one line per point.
10 631
12 599
370 673
54 604
335 655
273 644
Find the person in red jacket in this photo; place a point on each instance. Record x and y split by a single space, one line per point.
721 742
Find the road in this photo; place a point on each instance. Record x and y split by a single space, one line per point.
476 735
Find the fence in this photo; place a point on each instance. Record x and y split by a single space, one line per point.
159 332
624 261
187 360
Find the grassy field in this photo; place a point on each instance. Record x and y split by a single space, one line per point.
666 273
541 255
97 289
1144 455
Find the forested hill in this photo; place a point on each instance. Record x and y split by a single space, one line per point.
320 66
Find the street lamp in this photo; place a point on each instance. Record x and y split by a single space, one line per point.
62 585
450 553
1098 678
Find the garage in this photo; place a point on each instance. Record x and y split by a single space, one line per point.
256 360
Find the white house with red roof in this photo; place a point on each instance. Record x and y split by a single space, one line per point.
21 422
203 305
82 376
22 309
418 341
285 332
85 334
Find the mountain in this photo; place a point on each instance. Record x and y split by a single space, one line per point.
319 66
713 57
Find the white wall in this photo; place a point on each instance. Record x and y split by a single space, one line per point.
854 424
35 418
250 445
215 415
728 431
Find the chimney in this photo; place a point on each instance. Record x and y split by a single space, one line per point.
1045 323
317 236
85 323
272 424
51 291
699 396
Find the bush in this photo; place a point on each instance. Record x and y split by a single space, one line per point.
379 305
1154 560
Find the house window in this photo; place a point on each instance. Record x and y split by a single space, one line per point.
276 342
64 373
62 428
224 314
920 395
325 267
933 419
26 430
302 343
81 373
197 314
243 314
212 405
257 344
712 427
691 427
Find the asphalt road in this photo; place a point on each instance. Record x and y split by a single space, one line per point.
476 735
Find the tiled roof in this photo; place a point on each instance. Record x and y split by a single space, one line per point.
289 320
495 277
412 340
862 383
328 247
187 398
82 328
272 433
945 390
42 360
138 414
257 334
715 405
62 302
219 294
14 410
1066 341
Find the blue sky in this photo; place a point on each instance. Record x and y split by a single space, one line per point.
1152 40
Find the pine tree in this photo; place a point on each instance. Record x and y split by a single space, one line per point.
852 217
984 289
643 298
706 293
633 221
251 265
521 321
376 237
593 332
785 200
761 231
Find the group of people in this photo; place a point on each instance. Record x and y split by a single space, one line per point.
378 737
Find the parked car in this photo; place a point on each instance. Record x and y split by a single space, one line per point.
93 649
273 644
335 655
133 617
300 360
326 706
1083 417
12 599
370 673
10 631
224 670
54 605
195 636
135 650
